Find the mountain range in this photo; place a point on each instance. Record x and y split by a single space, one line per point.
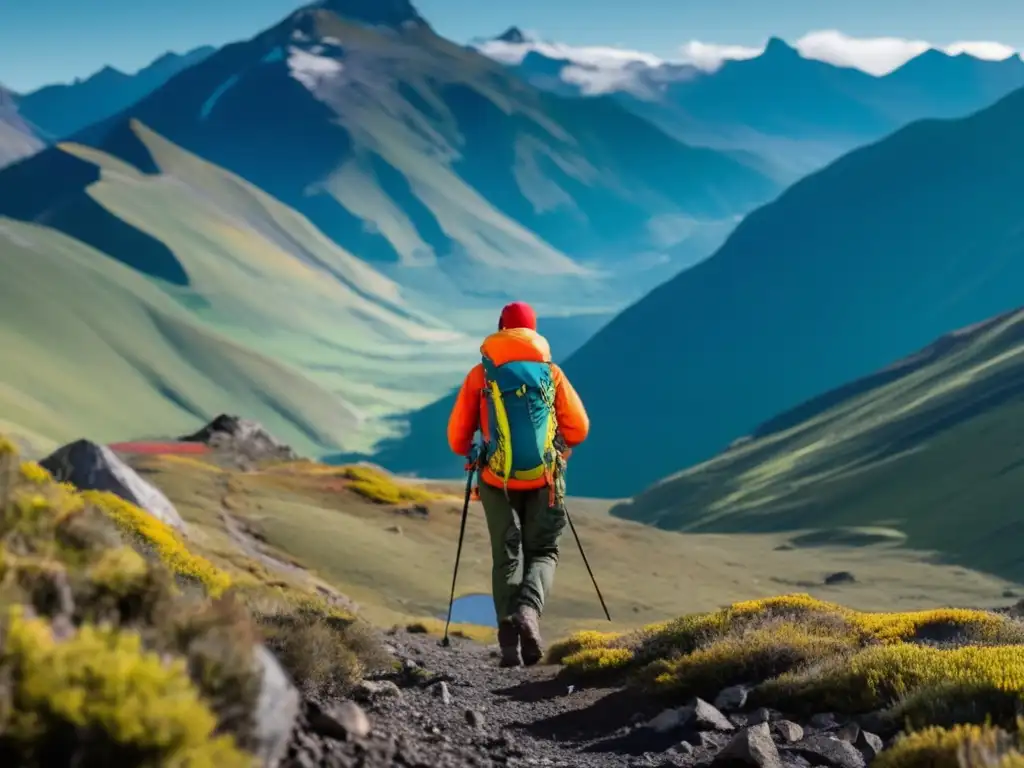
439 166
332 211
243 186
794 114
61 110
854 266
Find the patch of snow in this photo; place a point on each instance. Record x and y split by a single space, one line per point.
220 90
311 70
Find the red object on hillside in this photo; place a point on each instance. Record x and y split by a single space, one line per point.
157 447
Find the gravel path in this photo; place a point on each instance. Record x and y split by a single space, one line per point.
455 707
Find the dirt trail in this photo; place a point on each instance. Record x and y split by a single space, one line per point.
457 708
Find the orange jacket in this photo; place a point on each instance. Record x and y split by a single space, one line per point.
470 412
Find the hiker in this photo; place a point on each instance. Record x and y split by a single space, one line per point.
530 418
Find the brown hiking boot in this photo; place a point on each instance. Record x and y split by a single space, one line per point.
528 623
508 642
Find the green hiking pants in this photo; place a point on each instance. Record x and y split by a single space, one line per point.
525 534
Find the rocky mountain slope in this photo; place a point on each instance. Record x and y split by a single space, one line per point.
18 139
62 110
851 268
921 454
793 113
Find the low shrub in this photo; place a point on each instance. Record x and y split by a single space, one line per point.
925 682
957 747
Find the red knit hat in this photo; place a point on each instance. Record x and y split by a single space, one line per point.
518 314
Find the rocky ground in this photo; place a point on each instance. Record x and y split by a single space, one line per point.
455 707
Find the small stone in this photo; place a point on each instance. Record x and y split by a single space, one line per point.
739 719
410 665
684 748
442 692
474 718
758 716
732 699
824 721
704 740
751 746
343 721
826 748
848 732
668 720
869 744
788 731
705 717
368 690
396 529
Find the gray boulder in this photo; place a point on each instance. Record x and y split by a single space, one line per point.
277 709
703 717
751 747
92 467
733 698
824 749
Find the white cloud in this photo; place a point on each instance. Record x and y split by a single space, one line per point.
601 69
587 56
709 56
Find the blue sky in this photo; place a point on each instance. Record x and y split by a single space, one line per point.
45 41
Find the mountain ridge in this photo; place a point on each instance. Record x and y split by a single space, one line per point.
794 112
63 109
919 226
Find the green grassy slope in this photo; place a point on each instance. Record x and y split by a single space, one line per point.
238 265
91 347
927 453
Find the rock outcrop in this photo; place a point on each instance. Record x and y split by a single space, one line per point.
92 467
241 437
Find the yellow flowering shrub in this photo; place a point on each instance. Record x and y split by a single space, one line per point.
748 657
34 473
944 748
381 489
164 540
102 682
102 660
885 675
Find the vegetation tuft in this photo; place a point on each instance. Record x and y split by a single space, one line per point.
121 646
802 655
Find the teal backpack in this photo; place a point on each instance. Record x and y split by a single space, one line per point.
520 398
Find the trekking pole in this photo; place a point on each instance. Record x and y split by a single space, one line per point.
446 641
587 563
